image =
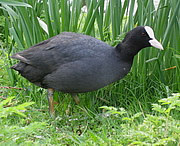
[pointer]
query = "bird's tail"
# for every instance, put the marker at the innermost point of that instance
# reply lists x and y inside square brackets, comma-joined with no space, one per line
[19,67]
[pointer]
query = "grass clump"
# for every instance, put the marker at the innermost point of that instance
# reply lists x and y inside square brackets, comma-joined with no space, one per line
[16,133]
[159,128]
[113,126]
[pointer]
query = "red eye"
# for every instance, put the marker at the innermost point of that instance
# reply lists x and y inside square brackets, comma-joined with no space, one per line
[143,34]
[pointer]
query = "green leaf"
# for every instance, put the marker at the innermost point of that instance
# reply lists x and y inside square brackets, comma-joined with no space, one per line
[4,102]
[158,108]
[14,3]
[152,59]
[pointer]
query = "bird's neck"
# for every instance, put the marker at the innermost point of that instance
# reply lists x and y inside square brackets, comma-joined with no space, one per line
[126,51]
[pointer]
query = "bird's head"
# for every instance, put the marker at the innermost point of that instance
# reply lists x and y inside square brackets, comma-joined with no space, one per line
[141,37]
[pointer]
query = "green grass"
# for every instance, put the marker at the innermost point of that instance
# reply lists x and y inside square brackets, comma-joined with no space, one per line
[86,123]
[84,126]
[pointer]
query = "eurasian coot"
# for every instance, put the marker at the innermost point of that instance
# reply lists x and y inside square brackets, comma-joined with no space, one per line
[76,63]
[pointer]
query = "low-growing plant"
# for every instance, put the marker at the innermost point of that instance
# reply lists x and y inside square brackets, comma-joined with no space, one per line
[19,109]
[15,134]
[115,126]
[155,129]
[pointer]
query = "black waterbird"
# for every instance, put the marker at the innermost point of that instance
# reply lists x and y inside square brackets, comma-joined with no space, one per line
[76,63]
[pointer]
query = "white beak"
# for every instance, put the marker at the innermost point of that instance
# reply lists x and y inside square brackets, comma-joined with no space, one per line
[156,44]
[153,40]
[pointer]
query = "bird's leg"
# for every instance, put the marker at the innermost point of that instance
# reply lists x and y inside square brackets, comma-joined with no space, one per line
[76,98]
[51,102]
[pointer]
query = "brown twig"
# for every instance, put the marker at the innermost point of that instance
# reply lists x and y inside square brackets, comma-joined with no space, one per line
[12,88]
[169,68]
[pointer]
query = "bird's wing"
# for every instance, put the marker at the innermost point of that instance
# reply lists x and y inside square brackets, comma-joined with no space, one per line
[63,48]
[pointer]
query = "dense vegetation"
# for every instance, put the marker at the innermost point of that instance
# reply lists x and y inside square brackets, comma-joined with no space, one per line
[130,113]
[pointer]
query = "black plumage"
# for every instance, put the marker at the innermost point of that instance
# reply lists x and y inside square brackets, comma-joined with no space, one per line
[77,63]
